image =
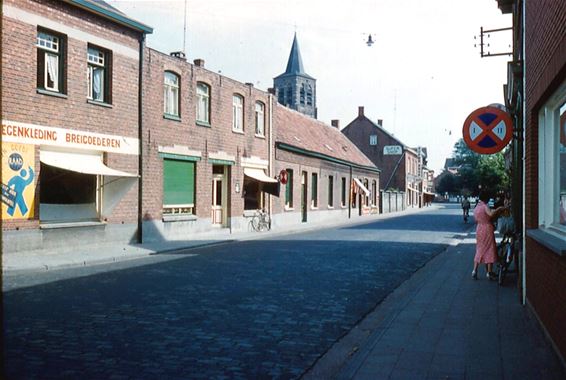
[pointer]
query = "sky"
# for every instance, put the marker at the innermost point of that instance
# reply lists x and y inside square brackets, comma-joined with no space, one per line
[422,76]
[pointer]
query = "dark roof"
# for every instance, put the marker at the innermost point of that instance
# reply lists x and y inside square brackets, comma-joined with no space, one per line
[295,62]
[103,9]
[310,135]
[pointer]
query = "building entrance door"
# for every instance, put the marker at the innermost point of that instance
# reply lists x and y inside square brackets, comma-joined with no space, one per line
[304,200]
[219,199]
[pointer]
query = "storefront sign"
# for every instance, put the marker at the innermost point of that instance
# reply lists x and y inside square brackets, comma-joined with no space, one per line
[392,150]
[18,181]
[17,132]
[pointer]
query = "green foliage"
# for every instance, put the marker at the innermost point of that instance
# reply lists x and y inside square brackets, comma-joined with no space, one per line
[476,172]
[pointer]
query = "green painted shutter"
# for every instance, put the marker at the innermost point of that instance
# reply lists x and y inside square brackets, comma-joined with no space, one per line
[178,182]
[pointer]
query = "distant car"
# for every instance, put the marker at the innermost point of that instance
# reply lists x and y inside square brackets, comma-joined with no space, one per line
[491,203]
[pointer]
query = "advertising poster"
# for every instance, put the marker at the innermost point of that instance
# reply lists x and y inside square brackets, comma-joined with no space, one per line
[18,181]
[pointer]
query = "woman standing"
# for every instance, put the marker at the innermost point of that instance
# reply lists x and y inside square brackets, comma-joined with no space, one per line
[486,251]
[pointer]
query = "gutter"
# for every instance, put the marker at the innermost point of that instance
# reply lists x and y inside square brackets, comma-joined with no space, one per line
[139,234]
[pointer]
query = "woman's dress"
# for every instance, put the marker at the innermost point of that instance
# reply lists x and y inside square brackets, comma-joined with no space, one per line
[486,251]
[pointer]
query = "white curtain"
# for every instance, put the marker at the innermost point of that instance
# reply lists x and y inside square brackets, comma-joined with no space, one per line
[53,68]
[97,84]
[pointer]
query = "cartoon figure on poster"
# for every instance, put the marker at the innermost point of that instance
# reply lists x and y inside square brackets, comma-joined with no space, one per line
[17,181]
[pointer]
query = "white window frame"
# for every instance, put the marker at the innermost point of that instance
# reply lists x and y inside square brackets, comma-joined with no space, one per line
[51,47]
[373,140]
[203,103]
[171,88]
[96,61]
[549,163]
[237,113]
[259,119]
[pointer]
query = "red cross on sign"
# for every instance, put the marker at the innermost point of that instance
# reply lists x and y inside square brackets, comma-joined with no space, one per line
[487,130]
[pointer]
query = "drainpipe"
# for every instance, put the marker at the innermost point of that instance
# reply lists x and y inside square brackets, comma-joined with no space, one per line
[270,152]
[350,195]
[524,127]
[139,234]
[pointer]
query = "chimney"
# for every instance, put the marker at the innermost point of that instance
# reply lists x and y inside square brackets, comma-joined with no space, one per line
[179,54]
[335,123]
[361,111]
[249,84]
[271,90]
[199,62]
[380,122]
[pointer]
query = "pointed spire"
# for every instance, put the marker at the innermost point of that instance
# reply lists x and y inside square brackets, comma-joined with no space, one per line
[295,63]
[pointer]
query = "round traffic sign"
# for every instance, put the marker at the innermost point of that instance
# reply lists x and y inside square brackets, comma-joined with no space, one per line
[487,130]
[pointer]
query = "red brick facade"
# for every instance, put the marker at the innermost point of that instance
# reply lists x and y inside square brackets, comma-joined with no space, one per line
[24,103]
[207,142]
[545,68]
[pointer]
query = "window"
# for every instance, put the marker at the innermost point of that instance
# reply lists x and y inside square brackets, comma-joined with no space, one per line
[552,162]
[289,189]
[178,187]
[309,95]
[314,190]
[259,119]
[302,94]
[289,99]
[98,74]
[51,73]
[171,94]
[203,103]
[281,96]
[237,113]
[330,191]
[343,193]
[374,192]
[366,197]
[373,140]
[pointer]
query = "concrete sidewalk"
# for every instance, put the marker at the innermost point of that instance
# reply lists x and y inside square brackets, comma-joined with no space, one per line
[73,257]
[441,324]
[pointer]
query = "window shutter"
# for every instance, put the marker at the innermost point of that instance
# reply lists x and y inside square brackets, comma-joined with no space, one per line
[40,68]
[108,78]
[178,182]
[63,64]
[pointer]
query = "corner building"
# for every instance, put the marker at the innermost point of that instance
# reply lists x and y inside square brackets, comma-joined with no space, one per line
[206,148]
[70,125]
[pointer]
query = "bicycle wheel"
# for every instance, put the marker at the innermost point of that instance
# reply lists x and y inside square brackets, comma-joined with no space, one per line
[256,222]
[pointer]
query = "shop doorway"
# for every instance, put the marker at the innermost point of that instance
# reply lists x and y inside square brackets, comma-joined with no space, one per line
[219,195]
[304,200]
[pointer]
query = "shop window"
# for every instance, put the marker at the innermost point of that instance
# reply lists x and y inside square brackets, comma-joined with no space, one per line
[289,189]
[552,162]
[99,74]
[51,73]
[66,195]
[203,103]
[171,94]
[343,192]
[237,113]
[252,194]
[330,191]
[314,190]
[259,119]
[178,187]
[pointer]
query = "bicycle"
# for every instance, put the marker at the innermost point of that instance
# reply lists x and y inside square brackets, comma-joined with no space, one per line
[506,254]
[261,221]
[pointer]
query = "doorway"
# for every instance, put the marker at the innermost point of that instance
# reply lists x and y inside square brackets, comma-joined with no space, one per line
[304,194]
[219,195]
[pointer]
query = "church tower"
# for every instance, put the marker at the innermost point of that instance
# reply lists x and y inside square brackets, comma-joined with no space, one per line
[295,88]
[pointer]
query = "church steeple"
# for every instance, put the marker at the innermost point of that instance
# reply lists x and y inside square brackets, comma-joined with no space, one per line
[295,88]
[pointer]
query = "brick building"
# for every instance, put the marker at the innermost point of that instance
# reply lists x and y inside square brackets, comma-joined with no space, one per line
[328,178]
[206,147]
[536,96]
[70,125]
[401,167]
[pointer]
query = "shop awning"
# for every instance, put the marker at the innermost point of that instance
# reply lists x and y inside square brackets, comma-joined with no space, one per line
[361,186]
[259,175]
[80,163]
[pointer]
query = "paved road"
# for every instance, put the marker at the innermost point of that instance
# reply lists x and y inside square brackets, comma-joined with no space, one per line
[254,309]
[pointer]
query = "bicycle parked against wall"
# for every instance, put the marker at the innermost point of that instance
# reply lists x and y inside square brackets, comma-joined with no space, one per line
[261,221]
[507,254]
